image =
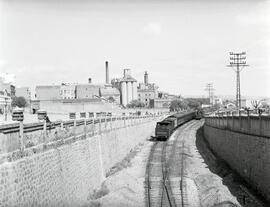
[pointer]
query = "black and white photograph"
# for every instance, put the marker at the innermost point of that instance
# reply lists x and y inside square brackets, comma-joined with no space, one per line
[134,103]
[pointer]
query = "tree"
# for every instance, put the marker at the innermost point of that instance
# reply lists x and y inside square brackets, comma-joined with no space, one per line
[135,104]
[177,105]
[255,104]
[111,99]
[19,101]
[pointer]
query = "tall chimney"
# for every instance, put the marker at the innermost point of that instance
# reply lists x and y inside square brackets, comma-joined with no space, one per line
[145,78]
[107,72]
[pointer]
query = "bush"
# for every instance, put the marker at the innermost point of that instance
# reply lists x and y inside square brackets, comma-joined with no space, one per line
[136,104]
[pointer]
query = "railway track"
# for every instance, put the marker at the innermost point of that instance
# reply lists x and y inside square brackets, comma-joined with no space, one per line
[165,181]
[167,173]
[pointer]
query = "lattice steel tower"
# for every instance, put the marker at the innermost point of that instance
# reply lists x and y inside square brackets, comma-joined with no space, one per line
[238,60]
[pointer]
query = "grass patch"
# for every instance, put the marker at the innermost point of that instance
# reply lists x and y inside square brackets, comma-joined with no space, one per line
[99,193]
[126,162]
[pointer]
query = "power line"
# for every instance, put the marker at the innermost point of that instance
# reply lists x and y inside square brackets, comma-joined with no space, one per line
[209,88]
[237,61]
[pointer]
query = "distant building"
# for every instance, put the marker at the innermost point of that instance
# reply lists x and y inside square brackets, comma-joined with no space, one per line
[87,91]
[24,92]
[51,92]
[160,103]
[110,93]
[128,88]
[217,101]
[5,103]
[147,91]
[7,86]
[68,91]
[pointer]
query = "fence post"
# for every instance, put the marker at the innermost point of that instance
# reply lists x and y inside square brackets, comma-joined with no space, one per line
[260,120]
[249,124]
[85,128]
[232,121]
[74,127]
[240,120]
[105,124]
[93,126]
[62,125]
[45,132]
[111,123]
[99,124]
[21,141]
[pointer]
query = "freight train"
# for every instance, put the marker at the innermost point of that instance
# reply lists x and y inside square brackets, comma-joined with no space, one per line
[165,128]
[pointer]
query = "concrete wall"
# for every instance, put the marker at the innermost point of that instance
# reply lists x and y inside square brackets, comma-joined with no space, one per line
[248,154]
[66,171]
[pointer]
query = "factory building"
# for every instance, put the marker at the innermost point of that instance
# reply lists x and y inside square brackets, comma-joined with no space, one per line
[147,91]
[68,91]
[47,93]
[87,91]
[128,87]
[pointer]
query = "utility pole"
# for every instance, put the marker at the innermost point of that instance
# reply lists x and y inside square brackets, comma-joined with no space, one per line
[209,88]
[237,61]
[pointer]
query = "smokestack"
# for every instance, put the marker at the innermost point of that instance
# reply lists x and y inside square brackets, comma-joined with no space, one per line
[145,78]
[107,72]
[89,80]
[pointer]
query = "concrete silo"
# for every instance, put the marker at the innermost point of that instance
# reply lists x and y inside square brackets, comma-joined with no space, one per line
[128,88]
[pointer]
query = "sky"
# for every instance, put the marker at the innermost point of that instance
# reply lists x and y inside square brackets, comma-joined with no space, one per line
[182,44]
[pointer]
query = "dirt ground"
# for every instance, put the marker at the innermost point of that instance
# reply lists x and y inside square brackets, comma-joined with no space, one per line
[125,183]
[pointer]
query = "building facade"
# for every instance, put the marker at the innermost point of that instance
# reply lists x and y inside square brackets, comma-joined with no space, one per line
[87,91]
[147,91]
[45,93]
[68,91]
[7,86]
[111,94]
[128,88]
[5,104]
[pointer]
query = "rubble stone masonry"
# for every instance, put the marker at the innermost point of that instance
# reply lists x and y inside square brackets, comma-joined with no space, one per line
[248,154]
[66,174]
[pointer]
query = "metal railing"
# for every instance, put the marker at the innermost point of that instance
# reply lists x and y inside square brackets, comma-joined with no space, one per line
[19,136]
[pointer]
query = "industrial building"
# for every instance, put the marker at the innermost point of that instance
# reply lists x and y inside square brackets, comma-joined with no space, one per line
[147,91]
[128,87]
[47,93]
[68,91]
[85,92]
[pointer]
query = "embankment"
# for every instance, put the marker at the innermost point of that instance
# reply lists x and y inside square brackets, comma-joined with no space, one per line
[65,172]
[246,150]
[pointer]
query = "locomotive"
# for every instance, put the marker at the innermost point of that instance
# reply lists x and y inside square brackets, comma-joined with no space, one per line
[165,128]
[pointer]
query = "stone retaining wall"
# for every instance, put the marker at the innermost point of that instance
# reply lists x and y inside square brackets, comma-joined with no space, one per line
[249,155]
[65,174]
